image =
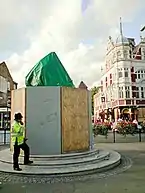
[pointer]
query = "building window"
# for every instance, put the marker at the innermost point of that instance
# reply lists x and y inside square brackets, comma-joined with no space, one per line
[125,54]
[118,55]
[8,86]
[121,95]
[126,74]
[142,92]
[127,91]
[3,84]
[138,76]
[137,92]
[120,74]
[110,79]
[15,86]
[130,54]
[143,55]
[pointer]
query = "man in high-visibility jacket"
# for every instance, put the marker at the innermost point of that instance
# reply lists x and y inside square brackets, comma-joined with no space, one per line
[19,142]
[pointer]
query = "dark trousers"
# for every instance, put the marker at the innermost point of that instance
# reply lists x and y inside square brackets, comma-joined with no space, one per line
[16,154]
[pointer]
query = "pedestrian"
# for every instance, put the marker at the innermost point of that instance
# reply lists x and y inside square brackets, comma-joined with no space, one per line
[19,141]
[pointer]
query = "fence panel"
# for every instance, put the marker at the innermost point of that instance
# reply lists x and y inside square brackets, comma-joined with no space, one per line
[114,137]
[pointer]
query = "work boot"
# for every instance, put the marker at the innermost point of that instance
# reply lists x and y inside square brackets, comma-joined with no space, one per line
[18,169]
[28,163]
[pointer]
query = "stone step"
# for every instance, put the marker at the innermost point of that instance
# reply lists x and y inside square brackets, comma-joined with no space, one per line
[113,161]
[8,155]
[60,156]
[66,156]
[59,163]
[70,162]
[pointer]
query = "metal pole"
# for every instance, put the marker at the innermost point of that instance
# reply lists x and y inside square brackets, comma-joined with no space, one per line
[139,135]
[7,112]
[114,136]
[7,117]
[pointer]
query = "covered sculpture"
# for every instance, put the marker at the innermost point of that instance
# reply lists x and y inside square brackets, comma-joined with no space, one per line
[49,71]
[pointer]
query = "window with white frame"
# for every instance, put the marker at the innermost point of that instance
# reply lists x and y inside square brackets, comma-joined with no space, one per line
[121,95]
[140,74]
[127,92]
[142,92]
[126,73]
[120,73]
[137,92]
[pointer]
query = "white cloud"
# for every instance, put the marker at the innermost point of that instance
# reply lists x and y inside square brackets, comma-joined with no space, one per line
[31,30]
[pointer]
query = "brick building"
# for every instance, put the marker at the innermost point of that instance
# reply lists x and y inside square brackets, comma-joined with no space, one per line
[6,84]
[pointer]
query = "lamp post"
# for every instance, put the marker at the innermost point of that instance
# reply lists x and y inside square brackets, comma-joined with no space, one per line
[135,115]
[7,114]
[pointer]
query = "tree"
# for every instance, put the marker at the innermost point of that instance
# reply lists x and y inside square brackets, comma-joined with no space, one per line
[94,91]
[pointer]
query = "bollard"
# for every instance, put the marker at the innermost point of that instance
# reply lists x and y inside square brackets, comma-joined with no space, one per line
[5,133]
[114,136]
[139,132]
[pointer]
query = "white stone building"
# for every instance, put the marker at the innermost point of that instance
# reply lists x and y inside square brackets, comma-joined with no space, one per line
[122,89]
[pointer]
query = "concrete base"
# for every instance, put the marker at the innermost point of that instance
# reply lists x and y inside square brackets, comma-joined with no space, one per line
[69,164]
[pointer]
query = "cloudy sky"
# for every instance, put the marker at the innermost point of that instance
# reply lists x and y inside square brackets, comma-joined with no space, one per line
[77,30]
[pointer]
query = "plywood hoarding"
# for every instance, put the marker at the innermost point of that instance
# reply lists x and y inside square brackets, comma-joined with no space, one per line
[75,119]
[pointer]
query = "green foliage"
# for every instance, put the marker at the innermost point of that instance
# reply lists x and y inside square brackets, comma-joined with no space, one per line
[101,129]
[94,91]
[126,128]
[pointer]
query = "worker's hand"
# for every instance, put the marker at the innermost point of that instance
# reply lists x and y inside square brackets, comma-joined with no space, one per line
[21,123]
[25,139]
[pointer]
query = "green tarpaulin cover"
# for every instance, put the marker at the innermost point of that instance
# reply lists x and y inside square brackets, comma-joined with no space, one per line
[49,71]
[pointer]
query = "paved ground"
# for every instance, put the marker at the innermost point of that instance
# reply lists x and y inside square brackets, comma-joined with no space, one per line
[130,181]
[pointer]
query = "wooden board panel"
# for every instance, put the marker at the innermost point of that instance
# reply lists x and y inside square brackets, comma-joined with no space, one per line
[75,120]
[18,104]
[141,114]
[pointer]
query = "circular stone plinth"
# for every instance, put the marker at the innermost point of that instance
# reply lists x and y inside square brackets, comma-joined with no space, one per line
[66,164]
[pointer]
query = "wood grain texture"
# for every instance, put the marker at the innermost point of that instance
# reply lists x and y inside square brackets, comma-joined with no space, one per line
[141,114]
[18,104]
[75,119]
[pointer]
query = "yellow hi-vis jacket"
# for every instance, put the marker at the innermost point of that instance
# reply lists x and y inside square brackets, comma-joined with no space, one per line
[17,133]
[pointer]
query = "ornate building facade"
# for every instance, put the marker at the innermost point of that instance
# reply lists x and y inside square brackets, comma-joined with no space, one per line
[122,86]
